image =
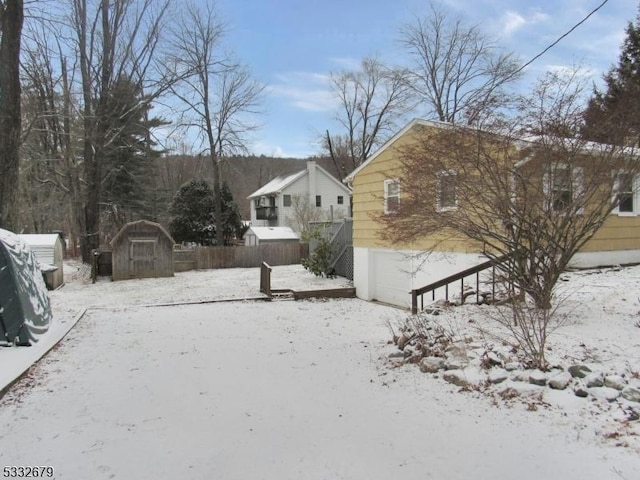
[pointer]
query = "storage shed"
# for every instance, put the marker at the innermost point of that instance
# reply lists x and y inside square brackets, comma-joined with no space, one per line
[25,312]
[262,235]
[49,251]
[142,249]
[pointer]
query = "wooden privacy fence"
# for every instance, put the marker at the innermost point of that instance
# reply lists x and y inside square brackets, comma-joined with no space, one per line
[204,258]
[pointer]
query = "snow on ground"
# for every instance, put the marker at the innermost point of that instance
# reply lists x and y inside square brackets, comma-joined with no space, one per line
[297,390]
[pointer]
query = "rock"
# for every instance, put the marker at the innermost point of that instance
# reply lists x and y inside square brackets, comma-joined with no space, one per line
[594,380]
[431,364]
[458,350]
[522,390]
[493,359]
[402,341]
[456,377]
[498,375]
[605,393]
[511,366]
[396,355]
[560,381]
[455,363]
[519,376]
[615,381]
[632,394]
[537,378]
[579,371]
[581,392]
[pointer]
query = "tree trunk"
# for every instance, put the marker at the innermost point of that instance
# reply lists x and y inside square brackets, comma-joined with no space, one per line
[11,19]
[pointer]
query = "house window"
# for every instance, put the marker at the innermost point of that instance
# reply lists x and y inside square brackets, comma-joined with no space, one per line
[561,189]
[391,195]
[340,200]
[286,200]
[446,191]
[318,200]
[563,186]
[624,189]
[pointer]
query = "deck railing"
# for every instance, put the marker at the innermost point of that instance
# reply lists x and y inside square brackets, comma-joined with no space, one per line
[445,282]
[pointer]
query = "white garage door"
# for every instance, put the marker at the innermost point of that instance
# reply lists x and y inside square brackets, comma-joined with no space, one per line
[391,278]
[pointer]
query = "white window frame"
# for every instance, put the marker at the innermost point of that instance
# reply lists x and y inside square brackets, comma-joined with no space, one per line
[387,183]
[440,176]
[577,184]
[635,184]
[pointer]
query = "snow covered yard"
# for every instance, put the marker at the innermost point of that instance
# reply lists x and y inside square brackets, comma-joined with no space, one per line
[295,390]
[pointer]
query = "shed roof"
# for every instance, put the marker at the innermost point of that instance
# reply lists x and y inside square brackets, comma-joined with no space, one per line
[43,246]
[40,239]
[140,223]
[273,233]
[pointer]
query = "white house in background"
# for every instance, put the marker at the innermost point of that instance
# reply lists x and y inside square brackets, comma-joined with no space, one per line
[262,235]
[274,204]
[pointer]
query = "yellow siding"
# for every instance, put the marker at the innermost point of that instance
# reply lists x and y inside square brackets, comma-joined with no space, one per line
[617,233]
[368,202]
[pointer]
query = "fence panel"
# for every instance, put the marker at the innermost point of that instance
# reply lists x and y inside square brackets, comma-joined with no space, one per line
[204,258]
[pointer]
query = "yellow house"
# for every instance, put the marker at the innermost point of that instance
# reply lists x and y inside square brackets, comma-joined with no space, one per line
[387,272]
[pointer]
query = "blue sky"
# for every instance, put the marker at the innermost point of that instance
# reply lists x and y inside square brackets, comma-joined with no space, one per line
[293,45]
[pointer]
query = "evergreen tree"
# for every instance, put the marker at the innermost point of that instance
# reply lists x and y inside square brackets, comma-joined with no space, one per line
[613,115]
[231,219]
[191,211]
[128,160]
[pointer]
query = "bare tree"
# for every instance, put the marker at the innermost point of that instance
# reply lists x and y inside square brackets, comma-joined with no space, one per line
[219,94]
[115,41]
[11,20]
[303,213]
[372,100]
[527,193]
[457,71]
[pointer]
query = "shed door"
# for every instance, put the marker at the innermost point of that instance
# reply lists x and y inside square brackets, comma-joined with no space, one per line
[142,259]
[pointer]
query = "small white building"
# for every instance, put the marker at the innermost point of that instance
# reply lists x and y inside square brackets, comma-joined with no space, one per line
[49,251]
[310,194]
[263,235]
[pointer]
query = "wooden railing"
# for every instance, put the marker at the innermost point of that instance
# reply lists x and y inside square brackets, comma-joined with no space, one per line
[265,279]
[445,282]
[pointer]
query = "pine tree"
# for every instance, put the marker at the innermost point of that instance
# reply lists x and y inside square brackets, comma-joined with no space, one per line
[128,160]
[231,219]
[613,115]
[191,211]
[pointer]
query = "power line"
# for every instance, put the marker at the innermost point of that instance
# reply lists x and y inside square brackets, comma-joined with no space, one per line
[560,38]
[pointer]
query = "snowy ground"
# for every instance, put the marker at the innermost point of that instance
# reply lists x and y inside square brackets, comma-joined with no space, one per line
[298,390]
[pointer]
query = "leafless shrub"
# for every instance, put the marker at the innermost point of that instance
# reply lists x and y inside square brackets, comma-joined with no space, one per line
[527,328]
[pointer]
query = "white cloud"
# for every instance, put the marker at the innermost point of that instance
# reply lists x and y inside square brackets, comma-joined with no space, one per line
[513,21]
[305,91]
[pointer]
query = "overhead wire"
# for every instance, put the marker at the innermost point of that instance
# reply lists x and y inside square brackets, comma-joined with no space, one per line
[559,39]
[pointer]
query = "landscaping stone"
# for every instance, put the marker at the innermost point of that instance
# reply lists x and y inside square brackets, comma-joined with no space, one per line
[604,393]
[511,366]
[594,380]
[455,363]
[615,381]
[560,381]
[519,376]
[536,377]
[579,371]
[581,392]
[493,359]
[632,394]
[526,389]
[402,341]
[431,364]
[456,377]
[498,375]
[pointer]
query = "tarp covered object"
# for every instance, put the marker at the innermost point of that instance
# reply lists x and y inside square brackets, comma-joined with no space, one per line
[25,313]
